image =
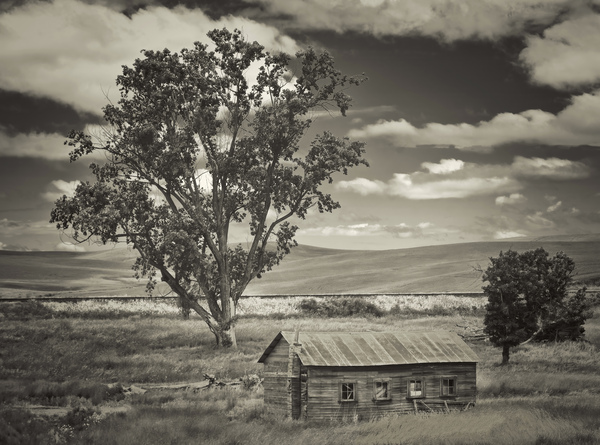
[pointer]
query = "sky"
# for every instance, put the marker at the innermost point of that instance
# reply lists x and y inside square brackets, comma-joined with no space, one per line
[481,118]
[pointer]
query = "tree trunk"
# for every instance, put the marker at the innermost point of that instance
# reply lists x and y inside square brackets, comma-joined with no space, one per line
[505,354]
[185,308]
[225,338]
[224,329]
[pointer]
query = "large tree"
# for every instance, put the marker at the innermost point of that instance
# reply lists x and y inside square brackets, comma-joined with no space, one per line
[196,145]
[528,298]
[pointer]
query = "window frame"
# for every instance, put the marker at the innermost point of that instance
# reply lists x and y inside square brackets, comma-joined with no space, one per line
[388,383]
[341,384]
[455,386]
[409,395]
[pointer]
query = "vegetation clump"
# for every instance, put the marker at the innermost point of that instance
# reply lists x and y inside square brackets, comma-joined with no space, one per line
[339,307]
[528,299]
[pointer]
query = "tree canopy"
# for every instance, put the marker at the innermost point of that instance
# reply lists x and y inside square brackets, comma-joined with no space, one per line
[528,298]
[196,144]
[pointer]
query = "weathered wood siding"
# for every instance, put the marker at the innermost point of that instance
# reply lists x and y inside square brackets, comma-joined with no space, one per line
[275,379]
[323,389]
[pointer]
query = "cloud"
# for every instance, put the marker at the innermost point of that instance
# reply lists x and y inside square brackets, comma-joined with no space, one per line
[550,168]
[445,166]
[41,145]
[512,199]
[554,207]
[554,219]
[60,188]
[14,247]
[402,230]
[450,178]
[6,223]
[69,247]
[575,125]
[448,20]
[507,234]
[72,52]
[453,178]
[45,145]
[539,220]
[406,186]
[566,55]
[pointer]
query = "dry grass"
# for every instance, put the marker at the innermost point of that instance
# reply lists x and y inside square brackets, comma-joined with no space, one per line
[549,394]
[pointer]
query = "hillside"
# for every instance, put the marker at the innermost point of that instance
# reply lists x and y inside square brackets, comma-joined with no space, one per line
[307,270]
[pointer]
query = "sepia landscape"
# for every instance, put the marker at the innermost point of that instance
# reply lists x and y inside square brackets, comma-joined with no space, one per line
[89,369]
[256,222]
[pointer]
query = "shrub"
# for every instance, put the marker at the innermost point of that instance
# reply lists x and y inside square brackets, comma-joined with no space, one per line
[58,393]
[339,307]
[80,418]
[25,310]
[21,427]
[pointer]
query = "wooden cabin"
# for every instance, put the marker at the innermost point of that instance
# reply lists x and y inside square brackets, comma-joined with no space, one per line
[361,375]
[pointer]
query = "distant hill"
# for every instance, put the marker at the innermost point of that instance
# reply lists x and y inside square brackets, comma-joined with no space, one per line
[307,270]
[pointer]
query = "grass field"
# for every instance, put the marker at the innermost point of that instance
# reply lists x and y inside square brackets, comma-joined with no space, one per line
[307,270]
[81,359]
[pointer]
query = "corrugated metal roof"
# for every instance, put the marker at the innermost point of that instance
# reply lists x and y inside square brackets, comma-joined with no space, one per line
[377,348]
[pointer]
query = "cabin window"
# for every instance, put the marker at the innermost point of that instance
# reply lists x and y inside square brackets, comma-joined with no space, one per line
[416,388]
[448,386]
[348,392]
[382,390]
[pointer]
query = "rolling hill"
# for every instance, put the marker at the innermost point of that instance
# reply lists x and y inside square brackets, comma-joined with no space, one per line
[307,270]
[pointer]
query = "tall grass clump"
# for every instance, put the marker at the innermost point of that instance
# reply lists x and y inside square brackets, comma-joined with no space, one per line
[62,393]
[114,309]
[339,307]
[25,310]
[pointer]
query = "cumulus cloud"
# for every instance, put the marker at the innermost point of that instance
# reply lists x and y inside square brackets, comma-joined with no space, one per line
[445,166]
[410,186]
[452,178]
[575,125]
[448,20]
[512,199]
[72,52]
[59,188]
[551,168]
[543,219]
[566,55]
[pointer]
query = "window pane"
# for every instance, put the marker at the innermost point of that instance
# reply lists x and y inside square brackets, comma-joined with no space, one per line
[381,390]
[416,388]
[347,391]
[448,387]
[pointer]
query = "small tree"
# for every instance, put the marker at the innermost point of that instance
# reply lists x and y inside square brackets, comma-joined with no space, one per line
[528,298]
[194,146]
